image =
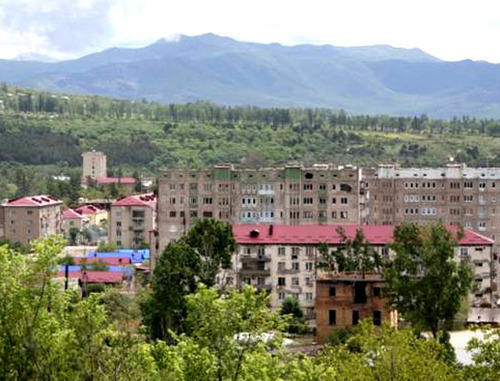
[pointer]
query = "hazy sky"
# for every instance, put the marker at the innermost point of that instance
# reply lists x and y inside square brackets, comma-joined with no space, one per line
[448,29]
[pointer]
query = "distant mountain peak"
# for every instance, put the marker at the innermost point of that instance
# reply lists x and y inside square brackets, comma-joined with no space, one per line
[175,37]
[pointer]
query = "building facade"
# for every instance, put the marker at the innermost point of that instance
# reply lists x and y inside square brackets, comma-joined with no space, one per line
[342,300]
[132,220]
[94,166]
[454,194]
[282,259]
[29,218]
[291,195]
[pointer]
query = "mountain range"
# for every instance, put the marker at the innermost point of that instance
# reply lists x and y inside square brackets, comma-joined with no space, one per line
[371,79]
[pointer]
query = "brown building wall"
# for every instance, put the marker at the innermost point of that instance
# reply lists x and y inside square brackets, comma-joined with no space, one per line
[344,305]
[130,225]
[24,224]
[288,195]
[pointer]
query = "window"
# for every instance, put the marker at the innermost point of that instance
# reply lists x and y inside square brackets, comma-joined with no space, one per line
[207,214]
[385,251]
[281,251]
[193,214]
[308,187]
[172,214]
[193,186]
[464,252]
[281,281]
[281,266]
[468,198]
[468,185]
[322,186]
[295,281]
[295,266]
[343,200]
[355,317]
[332,291]
[309,296]
[332,317]
[308,281]
[207,200]
[377,318]
[308,200]
[281,296]
[376,292]
[172,187]
[343,215]
[207,187]
[138,214]
[309,266]
[309,251]
[308,215]
[322,201]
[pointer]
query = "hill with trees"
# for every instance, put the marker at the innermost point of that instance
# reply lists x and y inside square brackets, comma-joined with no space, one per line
[370,79]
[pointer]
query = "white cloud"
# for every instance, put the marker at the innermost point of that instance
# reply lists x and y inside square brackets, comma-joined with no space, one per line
[450,30]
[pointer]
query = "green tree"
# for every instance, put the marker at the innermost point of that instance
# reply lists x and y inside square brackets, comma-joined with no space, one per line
[73,236]
[175,276]
[485,356]
[214,244]
[355,254]
[225,336]
[291,307]
[424,282]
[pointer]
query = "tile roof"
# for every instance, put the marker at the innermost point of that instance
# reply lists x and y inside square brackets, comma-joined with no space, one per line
[70,214]
[315,234]
[147,199]
[94,276]
[89,210]
[115,180]
[41,200]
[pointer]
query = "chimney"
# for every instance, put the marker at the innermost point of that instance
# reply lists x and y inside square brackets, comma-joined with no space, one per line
[271,229]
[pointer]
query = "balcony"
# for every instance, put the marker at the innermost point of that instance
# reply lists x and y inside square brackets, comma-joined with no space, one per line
[284,271]
[255,268]
[266,192]
[252,259]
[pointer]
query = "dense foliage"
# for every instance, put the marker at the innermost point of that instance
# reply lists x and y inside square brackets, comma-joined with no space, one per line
[48,333]
[424,282]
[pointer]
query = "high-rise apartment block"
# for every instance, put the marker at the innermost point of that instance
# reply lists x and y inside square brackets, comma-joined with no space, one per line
[94,166]
[454,194]
[291,195]
[29,218]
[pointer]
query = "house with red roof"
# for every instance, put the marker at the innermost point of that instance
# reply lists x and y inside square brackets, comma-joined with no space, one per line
[282,258]
[31,217]
[95,214]
[73,220]
[132,220]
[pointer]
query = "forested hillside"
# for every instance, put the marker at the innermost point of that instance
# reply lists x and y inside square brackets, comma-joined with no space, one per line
[369,79]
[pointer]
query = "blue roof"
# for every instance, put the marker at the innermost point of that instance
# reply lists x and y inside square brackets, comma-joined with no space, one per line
[137,256]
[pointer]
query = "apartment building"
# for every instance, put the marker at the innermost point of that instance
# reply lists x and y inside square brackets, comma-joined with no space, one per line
[72,220]
[342,300]
[292,195]
[453,194]
[132,220]
[282,259]
[94,165]
[29,218]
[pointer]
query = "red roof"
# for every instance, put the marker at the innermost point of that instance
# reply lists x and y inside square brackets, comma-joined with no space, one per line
[115,180]
[94,276]
[89,210]
[148,199]
[111,261]
[70,214]
[315,234]
[42,200]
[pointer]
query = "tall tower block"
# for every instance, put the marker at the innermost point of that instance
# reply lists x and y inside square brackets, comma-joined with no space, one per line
[94,165]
